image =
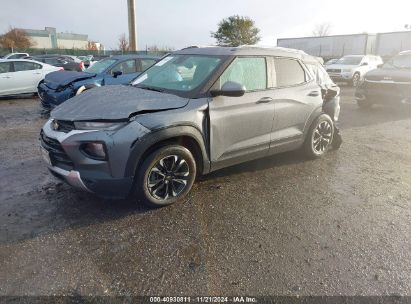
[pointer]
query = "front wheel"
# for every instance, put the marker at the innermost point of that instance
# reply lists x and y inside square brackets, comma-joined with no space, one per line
[319,137]
[166,176]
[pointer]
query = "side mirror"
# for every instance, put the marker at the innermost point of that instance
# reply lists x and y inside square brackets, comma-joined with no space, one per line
[230,89]
[364,63]
[116,73]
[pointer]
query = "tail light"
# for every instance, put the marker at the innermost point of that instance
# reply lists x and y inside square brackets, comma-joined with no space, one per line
[82,65]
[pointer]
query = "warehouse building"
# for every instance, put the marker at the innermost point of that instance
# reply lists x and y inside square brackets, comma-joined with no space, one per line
[50,39]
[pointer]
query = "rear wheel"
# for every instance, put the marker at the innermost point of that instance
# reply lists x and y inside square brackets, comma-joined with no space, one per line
[319,137]
[356,80]
[166,176]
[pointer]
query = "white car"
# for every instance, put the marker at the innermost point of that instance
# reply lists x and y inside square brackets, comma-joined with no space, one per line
[21,76]
[15,55]
[352,68]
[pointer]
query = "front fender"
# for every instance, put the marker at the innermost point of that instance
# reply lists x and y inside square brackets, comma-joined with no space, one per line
[144,143]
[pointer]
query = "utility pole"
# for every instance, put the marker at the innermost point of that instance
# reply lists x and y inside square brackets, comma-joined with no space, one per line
[132,31]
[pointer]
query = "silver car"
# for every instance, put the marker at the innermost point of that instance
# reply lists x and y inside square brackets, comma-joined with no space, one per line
[195,111]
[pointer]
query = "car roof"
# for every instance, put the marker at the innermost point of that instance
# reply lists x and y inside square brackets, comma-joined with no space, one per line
[132,56]
[25,60]
[248,50]
[405,52]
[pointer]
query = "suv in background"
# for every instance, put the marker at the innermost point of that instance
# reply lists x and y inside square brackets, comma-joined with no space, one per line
[15,56]
[391,82]
[352,68]
[154,137]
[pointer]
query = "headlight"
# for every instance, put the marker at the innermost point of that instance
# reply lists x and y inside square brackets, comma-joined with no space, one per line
[90,125]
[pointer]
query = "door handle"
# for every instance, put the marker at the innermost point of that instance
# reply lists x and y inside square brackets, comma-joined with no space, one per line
[314,94]
[265,100]
[6,77]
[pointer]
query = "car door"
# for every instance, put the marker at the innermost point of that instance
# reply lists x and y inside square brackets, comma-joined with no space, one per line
[296,98]
[127,70]
[26,76]
[240,127]
[5,78]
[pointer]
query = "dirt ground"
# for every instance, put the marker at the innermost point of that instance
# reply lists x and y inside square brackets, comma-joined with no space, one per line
[282,225]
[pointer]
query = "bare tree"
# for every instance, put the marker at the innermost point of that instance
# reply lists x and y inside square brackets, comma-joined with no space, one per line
[321,30]
[123,44]
[16,38]
[92,46]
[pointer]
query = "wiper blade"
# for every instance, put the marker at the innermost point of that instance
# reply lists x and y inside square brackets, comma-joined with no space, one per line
[150,88]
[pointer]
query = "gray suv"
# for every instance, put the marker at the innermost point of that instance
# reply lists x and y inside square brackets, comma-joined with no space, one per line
[195,111]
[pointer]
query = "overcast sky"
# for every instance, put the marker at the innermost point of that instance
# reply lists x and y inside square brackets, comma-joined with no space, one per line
[179,23]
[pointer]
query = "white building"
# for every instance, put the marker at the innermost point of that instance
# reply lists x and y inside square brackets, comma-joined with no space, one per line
[49,38]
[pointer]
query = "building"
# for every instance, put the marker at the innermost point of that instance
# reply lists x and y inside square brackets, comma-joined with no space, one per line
[50,39]
[383,44]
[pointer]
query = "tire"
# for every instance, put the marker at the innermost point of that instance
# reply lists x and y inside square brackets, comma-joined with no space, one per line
[319,137]
[160,182]
[356,80]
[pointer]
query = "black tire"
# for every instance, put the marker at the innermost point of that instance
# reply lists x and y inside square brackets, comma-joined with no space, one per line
[364,103]
[168,187]
[356,80]
[319,137]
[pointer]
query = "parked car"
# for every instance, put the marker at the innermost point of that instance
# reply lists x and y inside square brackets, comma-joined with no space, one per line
[58,87]
[330,62]
[15,56]
[391,82]
[68,63]
[352,68]
[87,60]
[153,137]
[18,76]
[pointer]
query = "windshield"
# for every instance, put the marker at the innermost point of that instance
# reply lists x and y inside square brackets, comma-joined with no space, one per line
[350,60]
[399,62]
[100,67]
[181,73]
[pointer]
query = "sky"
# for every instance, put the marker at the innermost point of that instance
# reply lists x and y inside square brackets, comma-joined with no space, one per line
[181,23]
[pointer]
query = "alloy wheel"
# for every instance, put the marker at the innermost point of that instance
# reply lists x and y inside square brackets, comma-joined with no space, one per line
[168,177]
[322,137]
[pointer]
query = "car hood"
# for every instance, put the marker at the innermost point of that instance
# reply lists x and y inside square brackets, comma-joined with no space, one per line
[341,66]
[63,78]
[115,102]
[386,74]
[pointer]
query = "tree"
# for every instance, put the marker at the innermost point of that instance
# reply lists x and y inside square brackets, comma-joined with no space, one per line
[92,46]
[123,44]
[235,31]
[321,30]
[16,38]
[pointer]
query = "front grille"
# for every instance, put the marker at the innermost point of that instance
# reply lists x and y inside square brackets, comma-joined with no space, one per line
[65,126]
[57,154]
[334,70]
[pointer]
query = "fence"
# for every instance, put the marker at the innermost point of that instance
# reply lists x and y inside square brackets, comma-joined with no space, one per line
[77,52]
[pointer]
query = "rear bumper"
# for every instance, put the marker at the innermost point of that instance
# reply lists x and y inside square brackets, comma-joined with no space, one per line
[384,93]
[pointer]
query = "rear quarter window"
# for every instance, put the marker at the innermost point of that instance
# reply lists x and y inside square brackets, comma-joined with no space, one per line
[289,72]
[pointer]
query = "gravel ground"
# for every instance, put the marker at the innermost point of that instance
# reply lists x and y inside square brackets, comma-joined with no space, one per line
[277,226]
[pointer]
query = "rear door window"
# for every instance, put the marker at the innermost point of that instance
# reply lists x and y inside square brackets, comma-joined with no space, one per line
[289,72]
[248,71]
[5,67]
[25,66]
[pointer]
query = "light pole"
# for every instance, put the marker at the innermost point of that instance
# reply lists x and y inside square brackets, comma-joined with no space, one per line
[132,30]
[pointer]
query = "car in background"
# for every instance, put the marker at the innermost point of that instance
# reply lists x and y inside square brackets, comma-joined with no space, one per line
[390,82]
[330,62]
[154,137]
[88,60]
[15,56]
[19,76]
[67,62]
[352,68]
[58,87]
